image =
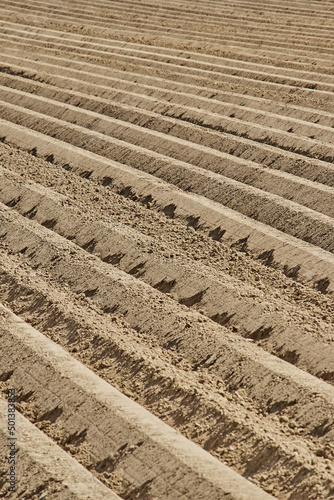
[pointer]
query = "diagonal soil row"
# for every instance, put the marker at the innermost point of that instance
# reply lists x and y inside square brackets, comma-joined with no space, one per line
[44,468]
[157,88]
[203,416]
[287,133]
[199,411]
[114,427]
[182,29]
[272,62]
[309,194]
[166,217]
[259,152]
[101,202]
[177,11]
[38,20]
[214,8]
[216,187]
[201,23]
[309,98]
[252,77]
[237,50]
[184,58]
[174,8]
[213,294]
[295,257]
[237,362]
[317,98]
[205,411]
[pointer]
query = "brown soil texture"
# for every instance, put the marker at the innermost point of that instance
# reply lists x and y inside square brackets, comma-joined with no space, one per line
[166,249]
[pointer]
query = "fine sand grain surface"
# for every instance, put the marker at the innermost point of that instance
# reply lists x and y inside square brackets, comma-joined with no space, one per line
[167,249]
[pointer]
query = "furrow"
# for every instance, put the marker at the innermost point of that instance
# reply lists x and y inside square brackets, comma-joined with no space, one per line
[187,50]
[170,465]
[153,87]
[183,57]
[43,467]
[190,8]
[312,195]
[172,12]
[159,22]
[198,409]
[293,163]
[115,244]
[182,29]
[166,248]
[160,31]
[230,74]
[175,8]
[142,35]
[309,98]
[308,263]
[229,117]
[237,362]
[188,177]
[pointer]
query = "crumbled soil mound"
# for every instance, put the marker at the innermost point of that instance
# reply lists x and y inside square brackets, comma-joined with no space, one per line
[166,249]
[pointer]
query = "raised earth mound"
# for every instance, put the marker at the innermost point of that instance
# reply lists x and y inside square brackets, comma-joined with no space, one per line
[166,249]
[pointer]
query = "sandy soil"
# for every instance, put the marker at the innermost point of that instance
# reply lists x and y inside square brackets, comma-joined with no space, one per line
[166,248]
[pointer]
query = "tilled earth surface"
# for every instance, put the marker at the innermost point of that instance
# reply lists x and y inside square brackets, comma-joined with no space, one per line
[166,248]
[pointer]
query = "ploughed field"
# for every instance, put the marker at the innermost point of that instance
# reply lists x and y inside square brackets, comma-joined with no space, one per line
[166,248]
